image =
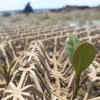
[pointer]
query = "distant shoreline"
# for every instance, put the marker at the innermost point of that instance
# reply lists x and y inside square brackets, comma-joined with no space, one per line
[67,7]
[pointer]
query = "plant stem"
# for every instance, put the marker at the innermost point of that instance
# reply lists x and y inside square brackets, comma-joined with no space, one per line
[75,87]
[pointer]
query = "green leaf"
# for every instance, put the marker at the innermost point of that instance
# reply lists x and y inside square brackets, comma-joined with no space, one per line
[71,44]
[83,57]
[2,70]
[11,66]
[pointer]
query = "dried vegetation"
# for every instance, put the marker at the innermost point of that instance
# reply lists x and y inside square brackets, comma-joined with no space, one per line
[42,70]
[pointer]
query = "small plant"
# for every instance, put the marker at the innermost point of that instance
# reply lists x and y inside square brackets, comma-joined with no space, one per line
[81,56]
[71,44]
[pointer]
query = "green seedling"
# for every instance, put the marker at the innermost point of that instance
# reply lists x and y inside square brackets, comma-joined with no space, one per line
[71,44]
[7,72]
[81,57]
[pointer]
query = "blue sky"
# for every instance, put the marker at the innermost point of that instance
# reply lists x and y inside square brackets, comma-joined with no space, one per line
[19,4]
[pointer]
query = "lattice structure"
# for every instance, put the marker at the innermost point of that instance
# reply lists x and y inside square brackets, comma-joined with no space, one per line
[21,36]
[43,71]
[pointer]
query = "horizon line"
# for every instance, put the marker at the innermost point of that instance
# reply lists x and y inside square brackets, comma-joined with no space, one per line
[53,7]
